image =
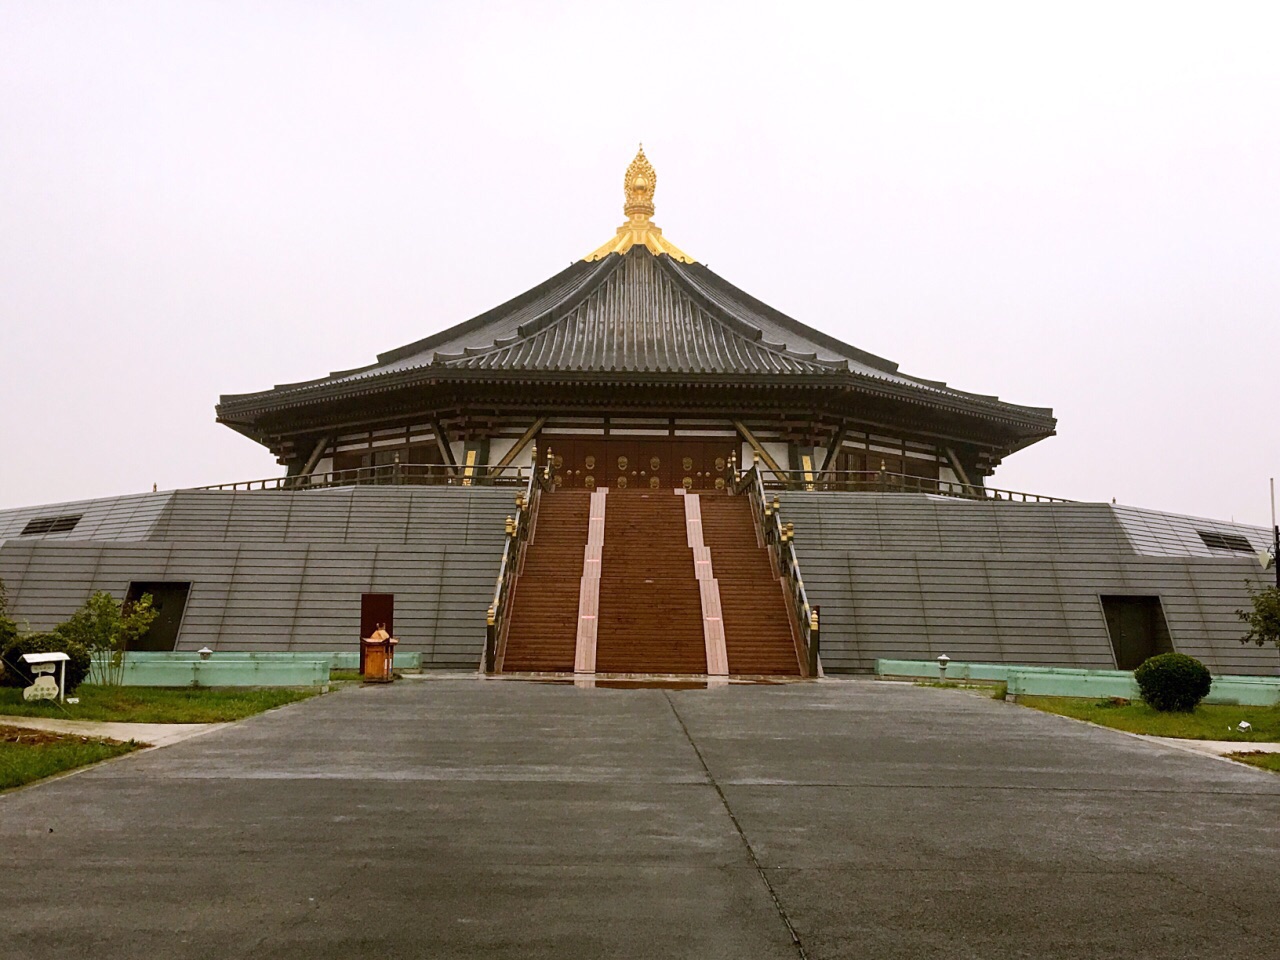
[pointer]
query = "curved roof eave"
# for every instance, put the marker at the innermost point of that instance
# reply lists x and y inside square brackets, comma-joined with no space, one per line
[1036,420]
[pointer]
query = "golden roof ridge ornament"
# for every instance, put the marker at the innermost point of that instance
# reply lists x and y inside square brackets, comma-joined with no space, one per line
[638,186]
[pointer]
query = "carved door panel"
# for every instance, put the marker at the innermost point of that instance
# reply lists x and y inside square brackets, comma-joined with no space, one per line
[624,465]
[653,468]
[700,464]
[641,463]
[569,456]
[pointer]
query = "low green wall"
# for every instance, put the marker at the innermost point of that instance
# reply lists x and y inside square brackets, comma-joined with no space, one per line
[960,670]
[194,672]
[337,659]
[1076,682]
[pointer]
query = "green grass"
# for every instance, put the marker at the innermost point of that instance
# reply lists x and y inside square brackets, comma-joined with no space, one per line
[1207,722]
[1265,761]
[27,755]
[345,676]
[154,704]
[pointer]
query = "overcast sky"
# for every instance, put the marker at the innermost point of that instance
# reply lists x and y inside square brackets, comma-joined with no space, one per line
[1069,205]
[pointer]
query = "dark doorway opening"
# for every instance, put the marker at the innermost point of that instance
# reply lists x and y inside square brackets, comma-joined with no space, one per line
[376,610]
[169,600]
[1137,628]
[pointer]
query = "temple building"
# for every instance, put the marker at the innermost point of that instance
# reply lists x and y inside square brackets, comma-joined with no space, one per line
[638,367]
[638,468]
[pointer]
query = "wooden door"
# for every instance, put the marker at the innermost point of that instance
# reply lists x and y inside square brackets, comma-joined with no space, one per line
[376,610]
[578,463]
[169,601]
[700,464]
[637,463]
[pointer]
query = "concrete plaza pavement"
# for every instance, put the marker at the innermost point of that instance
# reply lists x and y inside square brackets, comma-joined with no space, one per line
[463,818]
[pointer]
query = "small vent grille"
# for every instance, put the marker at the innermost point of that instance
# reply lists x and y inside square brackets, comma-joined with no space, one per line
[50,525]
[1225,541]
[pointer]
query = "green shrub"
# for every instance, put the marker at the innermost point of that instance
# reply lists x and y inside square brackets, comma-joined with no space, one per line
[1173,682]
[107,628]
[8,631]
[18,674]
[1264,618]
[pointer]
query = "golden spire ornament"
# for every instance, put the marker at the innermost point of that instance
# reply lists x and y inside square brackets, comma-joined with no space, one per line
[638,186]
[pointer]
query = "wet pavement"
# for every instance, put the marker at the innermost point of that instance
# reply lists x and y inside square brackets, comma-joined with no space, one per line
[463,818]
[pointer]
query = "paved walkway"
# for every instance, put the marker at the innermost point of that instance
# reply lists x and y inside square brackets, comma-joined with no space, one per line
[153,734]
[500,819]
[1219,748]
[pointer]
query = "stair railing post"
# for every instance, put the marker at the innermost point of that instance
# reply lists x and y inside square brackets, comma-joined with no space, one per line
[814,634]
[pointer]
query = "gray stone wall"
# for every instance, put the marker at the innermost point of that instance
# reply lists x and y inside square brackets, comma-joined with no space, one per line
[285,571]
[911,577]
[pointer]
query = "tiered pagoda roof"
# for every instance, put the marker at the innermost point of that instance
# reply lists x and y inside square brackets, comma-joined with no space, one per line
[638,311]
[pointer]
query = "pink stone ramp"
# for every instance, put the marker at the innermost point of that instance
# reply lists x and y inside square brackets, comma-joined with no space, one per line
[584,660]
[708,589]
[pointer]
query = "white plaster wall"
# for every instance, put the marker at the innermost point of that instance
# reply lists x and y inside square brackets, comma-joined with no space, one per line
[779,453]
[498,448]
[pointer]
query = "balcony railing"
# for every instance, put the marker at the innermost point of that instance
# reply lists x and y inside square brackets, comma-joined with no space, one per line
[880,481]
[389,474]
[434,474]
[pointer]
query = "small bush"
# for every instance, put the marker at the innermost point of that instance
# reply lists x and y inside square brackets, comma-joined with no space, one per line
[1173,682]
[106,628]
[18,674]
[8,631]
[1264,618]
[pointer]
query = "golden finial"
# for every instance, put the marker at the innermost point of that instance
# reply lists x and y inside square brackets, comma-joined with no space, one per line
[638,186]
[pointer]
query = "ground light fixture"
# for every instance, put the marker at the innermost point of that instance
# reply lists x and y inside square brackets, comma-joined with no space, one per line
[205,653]
[943,660]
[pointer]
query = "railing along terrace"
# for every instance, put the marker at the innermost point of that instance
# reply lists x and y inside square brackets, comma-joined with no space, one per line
[881,481]
[421,474]
[779,538]
[518,529]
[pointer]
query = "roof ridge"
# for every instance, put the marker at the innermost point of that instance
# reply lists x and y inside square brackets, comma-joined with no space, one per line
[741,328]
[647,352]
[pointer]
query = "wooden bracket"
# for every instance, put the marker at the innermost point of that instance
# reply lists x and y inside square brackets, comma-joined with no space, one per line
[519,446]
[442,441]
[755,445]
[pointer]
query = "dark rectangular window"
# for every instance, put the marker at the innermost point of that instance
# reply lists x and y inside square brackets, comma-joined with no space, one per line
[42,525]
[1225,541]
[1137,628]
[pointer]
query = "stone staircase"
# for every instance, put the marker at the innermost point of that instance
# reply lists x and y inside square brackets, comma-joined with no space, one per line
[652,615]
[650,607]
[757,631]
[542,635]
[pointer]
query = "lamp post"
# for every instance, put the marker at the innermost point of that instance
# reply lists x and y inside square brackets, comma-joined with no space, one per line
[1275,535]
